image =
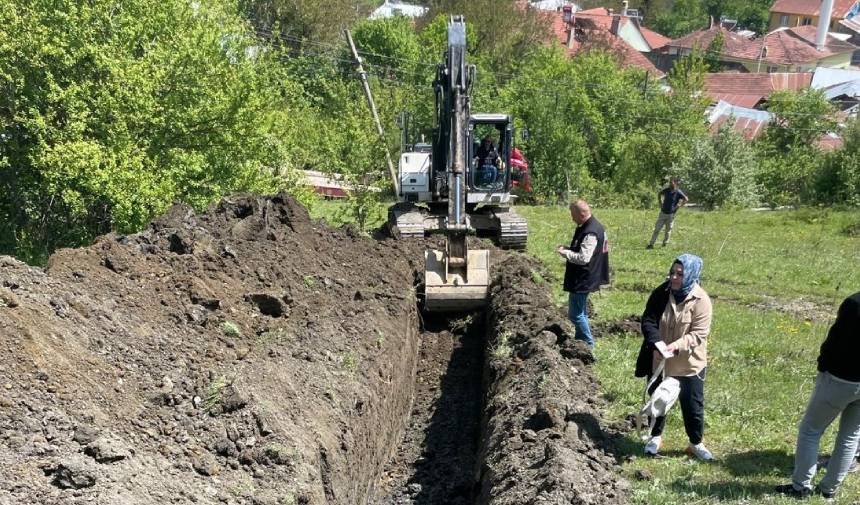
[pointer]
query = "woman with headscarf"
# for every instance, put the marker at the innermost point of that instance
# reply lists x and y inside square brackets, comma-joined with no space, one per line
[678,313]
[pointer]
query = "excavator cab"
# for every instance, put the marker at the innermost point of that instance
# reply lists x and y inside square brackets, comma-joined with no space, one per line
[488,176]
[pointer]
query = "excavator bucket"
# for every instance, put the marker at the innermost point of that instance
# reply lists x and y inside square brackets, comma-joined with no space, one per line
[452,288]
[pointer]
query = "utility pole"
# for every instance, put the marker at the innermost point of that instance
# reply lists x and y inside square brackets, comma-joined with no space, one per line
[363,76]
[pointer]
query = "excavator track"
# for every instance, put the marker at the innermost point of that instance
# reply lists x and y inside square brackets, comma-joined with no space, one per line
[406,221]
[513,230]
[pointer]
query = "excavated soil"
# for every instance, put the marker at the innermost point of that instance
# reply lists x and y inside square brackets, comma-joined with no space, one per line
[249,355]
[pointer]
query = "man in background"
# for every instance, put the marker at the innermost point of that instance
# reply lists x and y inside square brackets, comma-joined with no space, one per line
[587,266]
[671,199]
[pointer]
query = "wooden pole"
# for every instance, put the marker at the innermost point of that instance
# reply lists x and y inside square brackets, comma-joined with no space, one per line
[363,76]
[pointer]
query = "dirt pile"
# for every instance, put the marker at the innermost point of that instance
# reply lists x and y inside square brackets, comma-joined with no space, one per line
[244,355]
[248,355]
[542,439]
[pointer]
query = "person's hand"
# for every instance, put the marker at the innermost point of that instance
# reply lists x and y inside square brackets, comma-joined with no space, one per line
[672,348]
[561,250]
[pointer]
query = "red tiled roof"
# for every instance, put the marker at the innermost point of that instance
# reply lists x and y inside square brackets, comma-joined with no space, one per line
[830,143]
[749,128]
[593,31]
[732,41]
[788,46]
[654,39]
[747,90]
[811,7]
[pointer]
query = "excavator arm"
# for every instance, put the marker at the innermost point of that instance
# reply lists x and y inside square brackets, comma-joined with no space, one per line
[455,279]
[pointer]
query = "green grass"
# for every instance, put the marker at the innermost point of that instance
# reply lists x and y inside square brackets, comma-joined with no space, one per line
[758,266]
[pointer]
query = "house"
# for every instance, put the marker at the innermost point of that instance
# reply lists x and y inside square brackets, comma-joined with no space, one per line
[751,90]
[842,87]
[620,33]
[783,50]
[793,13]
[750,123]
[391,8]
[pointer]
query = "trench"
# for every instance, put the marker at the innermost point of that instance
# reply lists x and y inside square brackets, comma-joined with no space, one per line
[436,460]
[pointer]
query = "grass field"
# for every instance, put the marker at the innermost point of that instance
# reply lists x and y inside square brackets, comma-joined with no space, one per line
[776,279]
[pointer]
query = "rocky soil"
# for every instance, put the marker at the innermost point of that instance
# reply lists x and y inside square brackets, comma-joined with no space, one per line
[249,355]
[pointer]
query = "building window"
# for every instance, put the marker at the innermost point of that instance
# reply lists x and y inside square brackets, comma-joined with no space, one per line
[783,20]
[772,70]
[806,21]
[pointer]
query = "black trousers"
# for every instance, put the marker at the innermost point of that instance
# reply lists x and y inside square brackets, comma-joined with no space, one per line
[692,400]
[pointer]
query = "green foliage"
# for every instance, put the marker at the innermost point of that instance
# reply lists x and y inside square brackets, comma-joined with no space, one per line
[712,53]
[839,179]
[230,329]
[112,113]
[504,32]
[598,131]
[299,23]
[213,393]
[683,17]
[720,171]
[789,156]
[800,118]
[676,18]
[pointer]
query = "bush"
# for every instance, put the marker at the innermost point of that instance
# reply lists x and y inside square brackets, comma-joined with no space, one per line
[720,171]
[839,179]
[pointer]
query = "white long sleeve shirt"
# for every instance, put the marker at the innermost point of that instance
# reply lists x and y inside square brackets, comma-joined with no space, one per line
[586,250]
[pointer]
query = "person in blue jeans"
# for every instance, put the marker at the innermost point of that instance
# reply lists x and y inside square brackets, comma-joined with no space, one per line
[586,266]
[488,161]
[836,394]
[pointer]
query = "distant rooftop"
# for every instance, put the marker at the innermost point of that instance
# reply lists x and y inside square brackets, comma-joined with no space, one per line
[394,8]
[786,46]
[748,90]
[811,7]
[553,5]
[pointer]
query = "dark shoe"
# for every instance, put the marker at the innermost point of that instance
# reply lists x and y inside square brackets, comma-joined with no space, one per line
[790,490]
[649,246]
[827,496]
[664,244]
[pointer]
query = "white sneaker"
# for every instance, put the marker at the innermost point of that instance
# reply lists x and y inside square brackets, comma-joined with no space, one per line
[699,451]
[653,445]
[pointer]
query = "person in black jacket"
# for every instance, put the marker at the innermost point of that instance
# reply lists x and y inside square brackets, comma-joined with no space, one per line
[586,266]
[837,392]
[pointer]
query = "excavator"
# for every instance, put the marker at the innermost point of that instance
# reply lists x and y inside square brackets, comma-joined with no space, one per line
[443,188]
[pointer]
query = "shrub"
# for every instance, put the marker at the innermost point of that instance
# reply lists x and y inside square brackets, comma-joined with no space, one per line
[720,171]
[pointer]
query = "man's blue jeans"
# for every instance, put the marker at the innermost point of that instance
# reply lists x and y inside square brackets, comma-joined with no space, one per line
[577,315]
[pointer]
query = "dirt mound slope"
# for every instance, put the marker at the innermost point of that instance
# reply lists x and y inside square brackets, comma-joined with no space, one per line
[243,355]
[543,440]
[249,355]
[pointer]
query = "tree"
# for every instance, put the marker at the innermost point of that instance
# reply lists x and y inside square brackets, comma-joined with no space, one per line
[304,24]
[504,30]
[113,112]
[839,179]
[788,151]
[683,17]
[720,170]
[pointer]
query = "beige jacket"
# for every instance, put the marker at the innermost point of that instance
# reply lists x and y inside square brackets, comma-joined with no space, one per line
[688,324]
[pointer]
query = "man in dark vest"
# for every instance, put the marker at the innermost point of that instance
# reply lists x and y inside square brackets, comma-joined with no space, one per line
[587,266]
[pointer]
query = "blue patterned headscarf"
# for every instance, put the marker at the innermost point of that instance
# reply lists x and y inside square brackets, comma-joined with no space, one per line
[692,271]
